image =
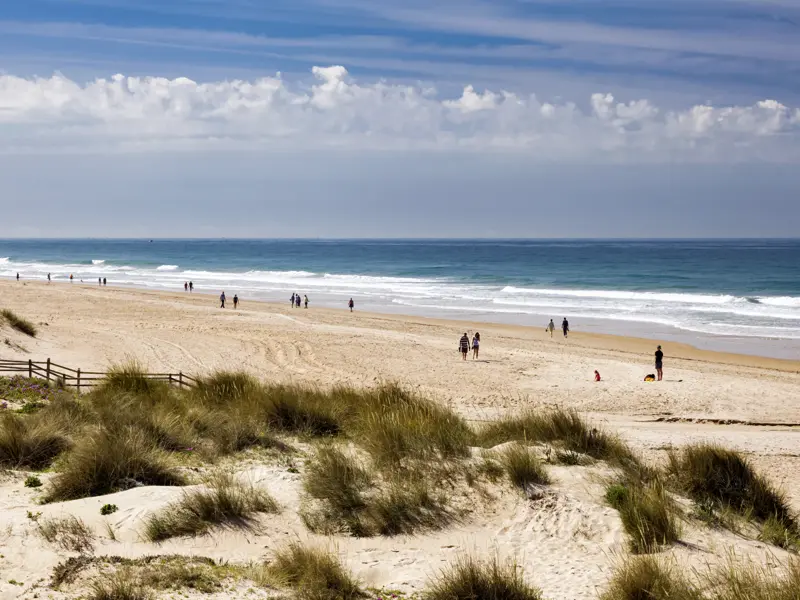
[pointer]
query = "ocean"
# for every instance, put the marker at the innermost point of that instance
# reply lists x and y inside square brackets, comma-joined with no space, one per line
[736,295]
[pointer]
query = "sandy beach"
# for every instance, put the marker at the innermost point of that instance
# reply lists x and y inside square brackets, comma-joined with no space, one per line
[744,402]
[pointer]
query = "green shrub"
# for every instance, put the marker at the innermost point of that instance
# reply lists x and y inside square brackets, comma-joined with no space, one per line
[30,442]
[522,467]
[32,481]
[108,509]
[647,578]
[647,513]
[313,574]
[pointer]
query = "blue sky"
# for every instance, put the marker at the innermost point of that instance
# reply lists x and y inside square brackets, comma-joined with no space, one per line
[400,117]
[699,51]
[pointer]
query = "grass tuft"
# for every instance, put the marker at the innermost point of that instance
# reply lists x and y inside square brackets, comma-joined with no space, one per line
[107,460]
[225,502]
[123,585]
[18,323]
[647,513]
[313,573]
[30,442]
[717,478]
[523,467]
[469,579]
[69,533]
[130,377]
[647,578]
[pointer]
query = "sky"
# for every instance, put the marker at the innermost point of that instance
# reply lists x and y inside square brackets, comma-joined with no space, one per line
[400,118]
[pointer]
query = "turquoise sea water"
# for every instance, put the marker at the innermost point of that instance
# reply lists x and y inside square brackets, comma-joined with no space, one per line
[720,293]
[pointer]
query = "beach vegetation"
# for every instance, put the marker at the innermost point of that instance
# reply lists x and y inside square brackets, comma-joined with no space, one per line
[69,533]
[720,479]
[108,509]
[649,578]
[16,322]
[107,459]
[522,466]
[223,502]
[313,573]
[469,579]
[648,515]
[122,585]
[129,376]
[33,481]
[31,442]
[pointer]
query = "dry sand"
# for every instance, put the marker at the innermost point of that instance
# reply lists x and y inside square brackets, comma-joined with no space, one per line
[567,542]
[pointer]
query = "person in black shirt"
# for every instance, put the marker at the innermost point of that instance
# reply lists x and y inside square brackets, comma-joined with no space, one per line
[659,363]
[565,326]
[463,346]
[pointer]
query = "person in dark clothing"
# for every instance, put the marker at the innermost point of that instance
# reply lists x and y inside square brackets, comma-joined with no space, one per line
[463,346]
[222,300]
[104,281]
[305,301]
[99,281]
[191,287]
[351,304]
[660,363]
[17,276]
[291,301]
[297,300]
[565,326]
[235,301]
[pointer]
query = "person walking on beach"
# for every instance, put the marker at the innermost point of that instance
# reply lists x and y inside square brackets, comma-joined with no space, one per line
[476,345]
[17,276]
[222,300]
[305,301]
[99,281]
[104,280]
[659,363]
[235,301]
[565,326]
[351,304]
[463,346]
[185,286]
[48,278]
[70,277]
[297,300]
[191,287]
[291,301]
[551,327]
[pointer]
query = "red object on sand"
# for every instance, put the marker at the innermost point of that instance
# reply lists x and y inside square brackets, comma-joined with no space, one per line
[596,376]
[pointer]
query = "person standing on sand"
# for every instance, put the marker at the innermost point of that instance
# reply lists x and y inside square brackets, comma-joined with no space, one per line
[351,304]
[551,327]
[70,277]
[291,301]
[185,286]
[297,300]
[659,363]
[104,281]
[17,276]
[305,301]
[235,301]
[222,300]
[99,281]
[48,278]
[191,287]
[565,326]
[476,345]
[463,346]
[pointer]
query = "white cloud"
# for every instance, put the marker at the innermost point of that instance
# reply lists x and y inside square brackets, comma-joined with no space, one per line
[130,113]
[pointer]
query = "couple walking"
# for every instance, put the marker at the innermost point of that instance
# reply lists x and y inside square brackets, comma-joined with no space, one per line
[222,299]
[464,345]
[551,327]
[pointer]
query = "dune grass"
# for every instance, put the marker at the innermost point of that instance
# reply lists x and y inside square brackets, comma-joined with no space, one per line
[522,466]
[314,574]
[648,578]
[130,376]
[564,427]
[31,442]
[718,478]
[18,323]
[225,502]
[69,533]
[756,582]
[122,585]
[470,579]
[648,514]
[107,460]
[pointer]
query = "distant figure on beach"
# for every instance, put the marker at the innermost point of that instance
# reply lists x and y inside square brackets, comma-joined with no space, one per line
[185,286]
[476,345]
[191,287]
[104,280]
[463,346]
[297,300]
[48,278]
[99,281]
[17,276]
[222,300]
[596,375]
[291,301]
[235,301]
[351,304]
[659,363]
[70,277]
[305,301]
[565,326]
[551,327]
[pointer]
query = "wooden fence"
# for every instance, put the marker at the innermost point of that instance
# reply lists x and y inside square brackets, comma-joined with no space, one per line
[76,378]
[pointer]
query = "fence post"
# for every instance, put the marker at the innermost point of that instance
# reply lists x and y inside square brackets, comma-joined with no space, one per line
[30,368]
[180,380]
[79,380]
[170,378]
[48,369]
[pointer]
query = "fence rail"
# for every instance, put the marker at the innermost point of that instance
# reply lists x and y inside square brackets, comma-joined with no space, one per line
[76,378]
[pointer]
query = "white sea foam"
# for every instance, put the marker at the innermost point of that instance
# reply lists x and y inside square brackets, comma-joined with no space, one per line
[98,262]
[166,268]
[3,260]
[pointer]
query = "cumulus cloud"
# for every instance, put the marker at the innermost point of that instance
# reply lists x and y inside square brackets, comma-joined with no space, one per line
[122,113]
